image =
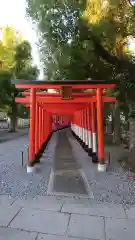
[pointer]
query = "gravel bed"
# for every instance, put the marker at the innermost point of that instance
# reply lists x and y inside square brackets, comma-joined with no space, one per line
[14,180]
[113,186]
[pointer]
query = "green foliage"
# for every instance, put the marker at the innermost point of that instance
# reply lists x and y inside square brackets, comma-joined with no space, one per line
[5,86]
[87,39]
[23,62]
[22,56]
[57,23]
[67,34]
[9,40]
[15,62]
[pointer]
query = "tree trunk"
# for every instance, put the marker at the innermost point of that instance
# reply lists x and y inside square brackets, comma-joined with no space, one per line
[131,156]
[116,124]
[13,116]
[131,153]
[131,126]
[131,133]
[13,124]
[112,122]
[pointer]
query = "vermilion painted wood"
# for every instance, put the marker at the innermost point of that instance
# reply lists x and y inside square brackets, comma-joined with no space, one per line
[40,113]
[37,129]
[93,117]
[89,118]
[46,94]
[42,127]
[62,111]
[50,106]
[100,126]
[58,100]
[80,118]
[77,108]
[32,124]
[84,117]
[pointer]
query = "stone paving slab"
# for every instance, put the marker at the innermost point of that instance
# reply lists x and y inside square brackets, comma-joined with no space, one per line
[69,182]
[82,200]
[13,234]
[41,221]
[65,199]
[130,212]
[7,213]
[84,226]
[49,225]
[54,237]
[119,229]
[41,203]
[105,210]
[66,178]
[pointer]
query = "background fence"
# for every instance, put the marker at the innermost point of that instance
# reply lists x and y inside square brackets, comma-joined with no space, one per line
[21,123]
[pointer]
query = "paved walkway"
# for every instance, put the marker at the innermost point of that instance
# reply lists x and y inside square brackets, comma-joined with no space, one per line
[52,218]
[67,177]
[106,213]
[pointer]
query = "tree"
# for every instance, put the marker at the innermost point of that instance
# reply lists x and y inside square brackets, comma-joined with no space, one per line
[15,63]
[10,38]
[56,21]
[82,39]
[113,21]
[67,31]
[23,62]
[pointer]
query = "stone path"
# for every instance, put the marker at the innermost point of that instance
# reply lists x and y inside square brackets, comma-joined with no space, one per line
[53,218]
[67,177]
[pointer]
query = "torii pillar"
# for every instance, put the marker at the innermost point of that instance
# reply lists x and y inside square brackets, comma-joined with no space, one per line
[30,166]
[101,160]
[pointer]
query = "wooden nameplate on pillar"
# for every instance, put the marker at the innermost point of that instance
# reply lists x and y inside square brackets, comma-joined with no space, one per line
[66,92]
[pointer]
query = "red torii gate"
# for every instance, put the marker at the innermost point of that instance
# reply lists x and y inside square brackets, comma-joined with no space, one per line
[79,107]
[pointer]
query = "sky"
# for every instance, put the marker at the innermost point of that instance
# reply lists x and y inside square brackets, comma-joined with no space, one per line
[13,13]
[132,45]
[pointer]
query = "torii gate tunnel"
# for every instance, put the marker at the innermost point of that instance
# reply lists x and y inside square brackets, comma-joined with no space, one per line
[83,111]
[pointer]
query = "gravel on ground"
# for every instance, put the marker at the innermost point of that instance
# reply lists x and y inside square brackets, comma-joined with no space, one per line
[5,135]
[14,180]
[113,186]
